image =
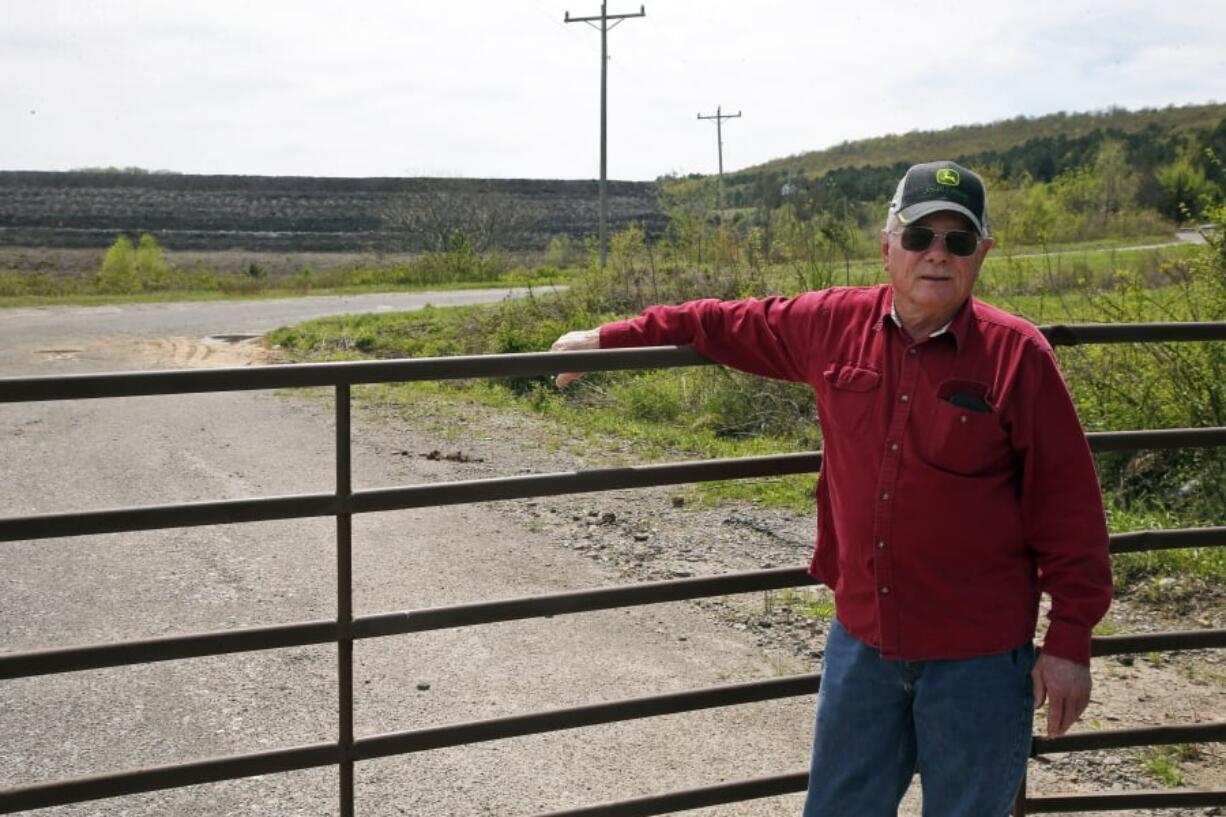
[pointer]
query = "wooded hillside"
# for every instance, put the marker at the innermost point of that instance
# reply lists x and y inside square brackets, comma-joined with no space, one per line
[1183,142]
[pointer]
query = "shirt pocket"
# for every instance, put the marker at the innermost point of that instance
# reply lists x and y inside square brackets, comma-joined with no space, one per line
[851,397]
[965,435]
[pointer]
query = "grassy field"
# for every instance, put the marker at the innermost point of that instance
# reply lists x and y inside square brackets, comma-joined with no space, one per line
[714,412]
[147,273]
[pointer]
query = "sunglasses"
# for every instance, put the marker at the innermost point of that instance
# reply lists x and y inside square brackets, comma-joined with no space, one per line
[917,238]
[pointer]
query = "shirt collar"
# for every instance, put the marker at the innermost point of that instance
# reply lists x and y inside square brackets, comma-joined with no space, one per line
[956,327]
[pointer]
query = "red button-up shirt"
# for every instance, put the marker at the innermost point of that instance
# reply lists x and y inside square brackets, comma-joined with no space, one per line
[956,482]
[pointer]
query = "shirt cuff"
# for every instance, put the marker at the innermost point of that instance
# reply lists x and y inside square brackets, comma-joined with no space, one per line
[1069,641]
[616,335]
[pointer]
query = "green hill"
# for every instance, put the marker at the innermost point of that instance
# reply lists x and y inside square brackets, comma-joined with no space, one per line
[997,138]
[1014,152]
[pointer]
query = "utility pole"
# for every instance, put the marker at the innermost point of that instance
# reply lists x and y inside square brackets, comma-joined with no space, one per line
[719,138]
[604,28]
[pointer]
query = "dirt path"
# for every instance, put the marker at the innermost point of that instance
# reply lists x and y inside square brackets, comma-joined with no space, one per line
[73,591]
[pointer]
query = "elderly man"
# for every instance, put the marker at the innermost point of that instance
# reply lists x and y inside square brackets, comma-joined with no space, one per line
[956,487]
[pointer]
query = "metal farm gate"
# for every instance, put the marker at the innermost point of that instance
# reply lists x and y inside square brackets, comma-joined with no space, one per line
[342,504]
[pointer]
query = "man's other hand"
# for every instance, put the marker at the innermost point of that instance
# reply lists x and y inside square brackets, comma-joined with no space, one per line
[580,341]
[1065,686]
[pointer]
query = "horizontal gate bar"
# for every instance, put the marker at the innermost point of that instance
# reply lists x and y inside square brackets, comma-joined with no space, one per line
[222,642]
[188,381]
[173,776]
[687,799]
[1119,801]
[1144,540]
[1074,334]
[300,375]
[1157,438]
[672,703]
[1125,738]
[45,526]
[577,482]
[134,781]
[185,774]
[158,517]
[377,625]
[578,601]
[166,648]
[1157,642]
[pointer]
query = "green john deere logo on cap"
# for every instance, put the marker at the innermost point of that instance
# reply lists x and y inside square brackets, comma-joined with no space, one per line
[948,176]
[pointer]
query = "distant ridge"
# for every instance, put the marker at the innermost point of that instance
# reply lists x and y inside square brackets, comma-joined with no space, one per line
[993,137]
[863,173]
[90,208]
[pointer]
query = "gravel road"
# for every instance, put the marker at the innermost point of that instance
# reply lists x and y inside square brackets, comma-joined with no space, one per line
[107,453]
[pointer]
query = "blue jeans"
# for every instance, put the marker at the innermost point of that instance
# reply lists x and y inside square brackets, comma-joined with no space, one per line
[964,724]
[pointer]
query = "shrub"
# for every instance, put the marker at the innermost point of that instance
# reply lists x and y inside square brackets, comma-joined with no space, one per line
[118,271]
[150,266]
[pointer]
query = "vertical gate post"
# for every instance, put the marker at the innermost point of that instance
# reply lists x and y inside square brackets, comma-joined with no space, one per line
[344,600]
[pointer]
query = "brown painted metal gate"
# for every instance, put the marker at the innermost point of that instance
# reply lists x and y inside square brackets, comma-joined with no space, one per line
[344,502]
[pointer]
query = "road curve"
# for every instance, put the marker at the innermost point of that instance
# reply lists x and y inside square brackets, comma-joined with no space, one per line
[30,337]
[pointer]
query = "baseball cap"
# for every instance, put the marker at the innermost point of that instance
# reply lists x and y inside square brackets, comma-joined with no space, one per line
[934,187]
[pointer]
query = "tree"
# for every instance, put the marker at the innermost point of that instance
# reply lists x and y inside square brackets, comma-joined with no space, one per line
[150,265]
[1186,191]
[118,271]
[1117,181]
[428,219]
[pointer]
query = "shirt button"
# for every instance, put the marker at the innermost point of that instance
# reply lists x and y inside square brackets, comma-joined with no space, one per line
[881,546]
[885,591]
[885,494]
[962,418]
[913,351]
[905,398]
[893,446]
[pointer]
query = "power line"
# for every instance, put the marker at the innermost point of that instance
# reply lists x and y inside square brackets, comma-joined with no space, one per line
[719,118]
[604,28]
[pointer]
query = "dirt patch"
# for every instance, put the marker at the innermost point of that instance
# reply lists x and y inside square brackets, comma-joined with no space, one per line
[192,353]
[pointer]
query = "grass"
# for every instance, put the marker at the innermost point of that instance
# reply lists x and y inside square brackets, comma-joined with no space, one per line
[1163,762]
[266,293]
[709,412]
[804,601]
[220,276]
[144,272]
[626,441]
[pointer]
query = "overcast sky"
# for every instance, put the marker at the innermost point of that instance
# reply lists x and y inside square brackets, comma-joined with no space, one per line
[503,88]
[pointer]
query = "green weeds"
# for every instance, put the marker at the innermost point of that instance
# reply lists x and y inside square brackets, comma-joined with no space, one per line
[707,412]
[1163,762]
[142,273]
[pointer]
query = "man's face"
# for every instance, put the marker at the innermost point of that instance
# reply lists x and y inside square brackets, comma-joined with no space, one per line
[933,282]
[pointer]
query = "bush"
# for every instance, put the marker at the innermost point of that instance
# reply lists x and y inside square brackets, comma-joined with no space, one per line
[1160,385]
[152,272]
[118,271]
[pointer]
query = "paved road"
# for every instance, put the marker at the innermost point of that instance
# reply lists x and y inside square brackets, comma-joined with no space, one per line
[139,451]
[63,332]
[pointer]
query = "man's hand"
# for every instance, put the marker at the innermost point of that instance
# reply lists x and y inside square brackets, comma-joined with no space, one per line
[580,341]
[1065,685]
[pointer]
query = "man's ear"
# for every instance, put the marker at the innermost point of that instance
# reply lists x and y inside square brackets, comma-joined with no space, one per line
[985,247]
[885,247]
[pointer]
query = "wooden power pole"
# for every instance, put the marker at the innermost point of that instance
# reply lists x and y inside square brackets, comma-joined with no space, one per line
[604,28]
[719,118]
